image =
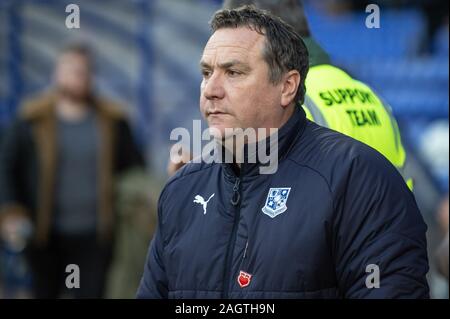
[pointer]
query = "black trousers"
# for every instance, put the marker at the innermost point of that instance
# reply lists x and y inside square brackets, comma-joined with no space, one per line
[48,266]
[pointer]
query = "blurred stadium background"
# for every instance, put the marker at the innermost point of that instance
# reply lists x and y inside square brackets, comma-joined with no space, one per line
[147,55]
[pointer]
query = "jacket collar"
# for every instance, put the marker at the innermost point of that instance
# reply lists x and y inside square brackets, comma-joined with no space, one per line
[44,106]
[287,135]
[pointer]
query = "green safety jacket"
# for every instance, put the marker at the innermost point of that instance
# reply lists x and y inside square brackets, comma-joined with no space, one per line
[337,101]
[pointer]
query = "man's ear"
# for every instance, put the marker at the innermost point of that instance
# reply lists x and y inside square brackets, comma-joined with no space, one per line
[290,86]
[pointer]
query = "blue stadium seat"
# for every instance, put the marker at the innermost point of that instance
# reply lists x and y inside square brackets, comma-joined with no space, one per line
[346,36]
[412,87]
[440,43]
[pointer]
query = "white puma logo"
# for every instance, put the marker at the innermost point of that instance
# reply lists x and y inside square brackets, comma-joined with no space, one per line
[200,200]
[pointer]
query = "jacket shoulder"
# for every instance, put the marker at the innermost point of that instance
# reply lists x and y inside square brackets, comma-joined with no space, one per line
[335,156]
[36,106]
[186,175]
[191,169]
[42,104]
[111,108]
[320,144]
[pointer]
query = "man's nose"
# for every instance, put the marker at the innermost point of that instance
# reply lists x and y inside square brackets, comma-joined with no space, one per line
[213,87]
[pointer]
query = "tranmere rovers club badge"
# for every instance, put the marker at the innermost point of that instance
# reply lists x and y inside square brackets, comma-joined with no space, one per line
[276,201]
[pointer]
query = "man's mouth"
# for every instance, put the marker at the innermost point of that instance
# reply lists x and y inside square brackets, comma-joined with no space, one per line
[216,113]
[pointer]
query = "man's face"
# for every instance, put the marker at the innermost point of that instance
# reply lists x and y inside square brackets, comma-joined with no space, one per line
[73,75]
[236,91]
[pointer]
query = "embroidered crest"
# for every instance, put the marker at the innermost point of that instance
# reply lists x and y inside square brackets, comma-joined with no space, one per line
[276,201]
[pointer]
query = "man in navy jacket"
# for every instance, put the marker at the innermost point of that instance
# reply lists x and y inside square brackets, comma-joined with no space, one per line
[334,219]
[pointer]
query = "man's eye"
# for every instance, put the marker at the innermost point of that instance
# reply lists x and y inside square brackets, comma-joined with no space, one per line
[233,73]
[206,73]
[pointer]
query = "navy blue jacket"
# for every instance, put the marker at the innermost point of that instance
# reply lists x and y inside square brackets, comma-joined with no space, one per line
[336,207]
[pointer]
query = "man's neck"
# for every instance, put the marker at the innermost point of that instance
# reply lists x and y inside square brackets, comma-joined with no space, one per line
[71,110]
[236,145]
[287,115]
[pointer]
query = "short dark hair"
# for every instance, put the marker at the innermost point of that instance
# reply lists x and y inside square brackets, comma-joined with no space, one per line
[79,48]
[284,48]
[290,11]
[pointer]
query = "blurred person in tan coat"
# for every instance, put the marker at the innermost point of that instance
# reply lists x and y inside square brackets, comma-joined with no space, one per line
[443,249]
[58,163]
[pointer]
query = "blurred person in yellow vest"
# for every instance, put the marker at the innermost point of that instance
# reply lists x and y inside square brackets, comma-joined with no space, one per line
[333,98]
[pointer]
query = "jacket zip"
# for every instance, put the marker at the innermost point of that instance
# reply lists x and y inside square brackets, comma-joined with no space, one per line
[236,202]
[245,251]
[241,265]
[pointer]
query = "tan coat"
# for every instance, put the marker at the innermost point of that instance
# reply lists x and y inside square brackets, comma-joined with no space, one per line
[40,113]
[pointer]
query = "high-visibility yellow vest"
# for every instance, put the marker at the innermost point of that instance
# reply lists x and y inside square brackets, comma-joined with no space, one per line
[337,101]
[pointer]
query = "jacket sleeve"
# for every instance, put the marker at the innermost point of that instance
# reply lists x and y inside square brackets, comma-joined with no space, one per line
[154,283]
[127,153]
[10,157]
[379,234]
